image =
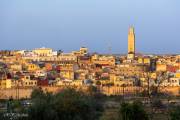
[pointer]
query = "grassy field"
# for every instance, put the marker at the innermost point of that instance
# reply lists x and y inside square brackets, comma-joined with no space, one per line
[112,106]
[112,114]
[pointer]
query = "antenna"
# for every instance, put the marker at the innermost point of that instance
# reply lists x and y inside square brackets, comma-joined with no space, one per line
[109,48]
[83,43]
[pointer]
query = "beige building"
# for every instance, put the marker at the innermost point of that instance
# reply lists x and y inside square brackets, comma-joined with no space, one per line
[103,60]
[161,67]
[67,57]
[29,83]
[144,60]
[61,57]
[25,81]
[123,83]
[67,69]
[140,60]
[6,84]
[174,82]
[69,83]
[43,52]
[119,80]
[83,51]
[32,67]
[16,67]
[131,69]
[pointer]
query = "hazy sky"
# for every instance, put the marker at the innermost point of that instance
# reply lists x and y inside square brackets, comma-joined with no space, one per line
[96,24]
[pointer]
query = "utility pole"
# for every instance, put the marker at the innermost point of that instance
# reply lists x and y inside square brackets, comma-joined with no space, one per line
[123,90]
[109,48]
[148,78]
[17,87]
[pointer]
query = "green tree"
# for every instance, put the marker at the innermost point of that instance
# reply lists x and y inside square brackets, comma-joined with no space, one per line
[175,113]
[68,104]
[134,111]
[92,90]
[41,108]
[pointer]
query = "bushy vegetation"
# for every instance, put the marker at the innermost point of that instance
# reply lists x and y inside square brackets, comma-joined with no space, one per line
[68,104]
[134,111]
[175,113]
[71,104]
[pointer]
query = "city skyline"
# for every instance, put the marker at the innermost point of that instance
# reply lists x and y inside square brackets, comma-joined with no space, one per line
[131,46]
[89,60]
[98,25]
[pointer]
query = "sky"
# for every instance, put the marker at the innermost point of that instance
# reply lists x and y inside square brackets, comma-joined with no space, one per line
[96,24]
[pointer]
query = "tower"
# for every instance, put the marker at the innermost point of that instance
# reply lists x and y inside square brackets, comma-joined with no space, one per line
[131,44]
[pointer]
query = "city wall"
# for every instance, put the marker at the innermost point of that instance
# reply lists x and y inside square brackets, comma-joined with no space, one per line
[26,92]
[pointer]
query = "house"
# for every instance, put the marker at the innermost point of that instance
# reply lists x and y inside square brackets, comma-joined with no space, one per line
[123,83]
[43,52]
[161,67]
[32,67]
[174,82]
[7,83]
[103,60]
[82,52]
[40,73]
[16,67]
[27,82]
[67,69]
[42,82]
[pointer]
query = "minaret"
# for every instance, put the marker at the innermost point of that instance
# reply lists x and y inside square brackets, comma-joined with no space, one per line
[131,44]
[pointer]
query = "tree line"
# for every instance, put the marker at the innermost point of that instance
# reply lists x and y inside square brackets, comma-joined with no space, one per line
[71,104]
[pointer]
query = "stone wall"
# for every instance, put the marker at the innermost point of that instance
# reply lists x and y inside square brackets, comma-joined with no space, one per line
[26,92]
